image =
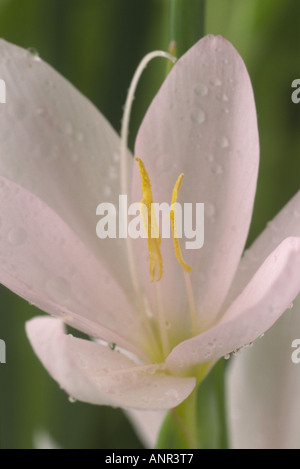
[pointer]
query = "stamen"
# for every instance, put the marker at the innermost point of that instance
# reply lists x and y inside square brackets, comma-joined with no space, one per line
[124,157]
[177,248]
[150,223]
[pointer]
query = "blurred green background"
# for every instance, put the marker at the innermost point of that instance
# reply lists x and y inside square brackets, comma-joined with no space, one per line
[97,44]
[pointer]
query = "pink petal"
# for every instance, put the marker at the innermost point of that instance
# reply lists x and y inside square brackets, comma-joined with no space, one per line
[94,373]
[267,295]
[286,223]
[43,261]
[263,389]
[203,123]
[264,384]
[147,424]
[57,145]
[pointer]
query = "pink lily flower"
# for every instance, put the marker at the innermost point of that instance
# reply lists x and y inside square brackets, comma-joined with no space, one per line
[263,384]
[59,161]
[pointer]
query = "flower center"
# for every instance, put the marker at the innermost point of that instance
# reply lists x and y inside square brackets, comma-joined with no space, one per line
[151,226]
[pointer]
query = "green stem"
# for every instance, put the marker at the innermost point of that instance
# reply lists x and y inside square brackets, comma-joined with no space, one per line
[183,422]
[186,23]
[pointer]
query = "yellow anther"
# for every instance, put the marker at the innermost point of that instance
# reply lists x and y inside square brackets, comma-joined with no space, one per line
[150,223]
[177,248]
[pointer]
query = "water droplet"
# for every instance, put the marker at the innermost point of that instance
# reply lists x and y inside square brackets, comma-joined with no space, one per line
[71,399]
[112,172]
[250,345]
[197,116]
[201,90]
[291,306]
[116,156]
[261,336]
[67,128]
[106,191]
[34,53]
[209,158]
[40,111]
[216,82]
[209,209]
[223,142]
[172,394]
[237,352]
[227,356]
[79,137]
[112,345]
[59,289]
[217,169]
[17,236]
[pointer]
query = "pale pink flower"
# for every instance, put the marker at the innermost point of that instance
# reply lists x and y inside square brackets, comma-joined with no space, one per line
[263,384]
[58,162]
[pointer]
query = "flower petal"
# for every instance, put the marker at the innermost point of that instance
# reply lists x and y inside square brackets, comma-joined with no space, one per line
[43,261]
[263,389]
[268,294]
[286,223]
[57,145]
[147,424]
[202,123]
[93,373]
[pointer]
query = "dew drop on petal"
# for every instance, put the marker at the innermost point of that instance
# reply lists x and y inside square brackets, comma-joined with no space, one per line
[216,82]
[291,306]
[17,236]
[71,399]
[79,137]
[112,172]
[223,142]
[217,169]
[172,394]
[201,90]
[67,128]
[227,356]
[59,289]
[34,53]
[209,158]
[106,191]
[116,156]
[209,209]
[197,116]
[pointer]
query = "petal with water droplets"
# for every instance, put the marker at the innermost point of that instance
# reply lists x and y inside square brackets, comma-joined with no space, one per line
[93,373]
[263,389]
[43,261]
[202,123]
[264,299]
[57,145]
